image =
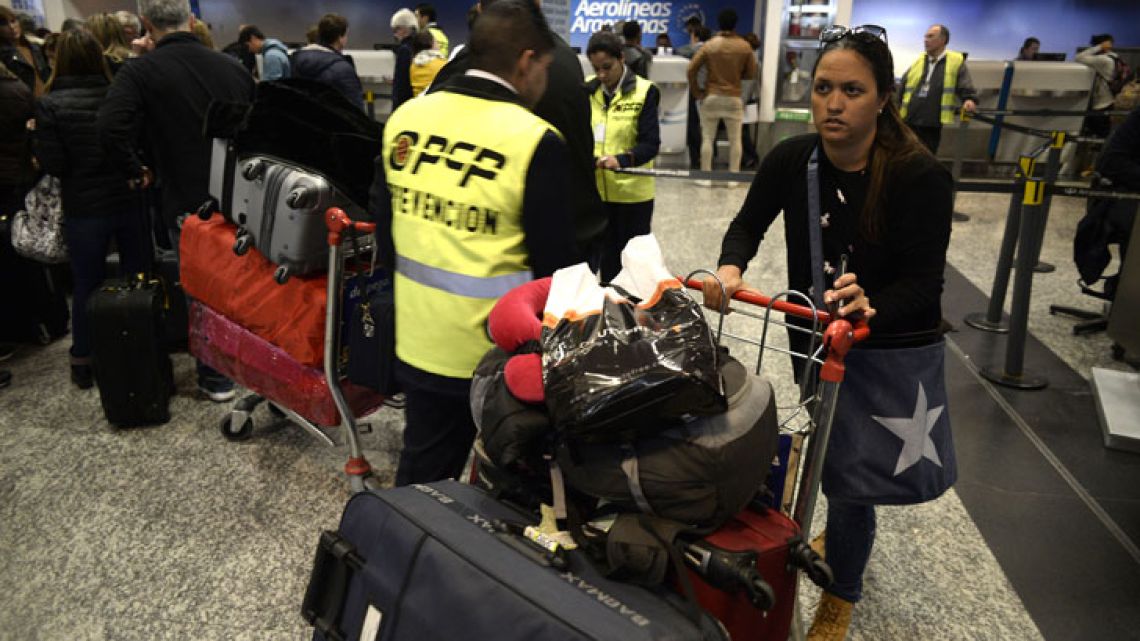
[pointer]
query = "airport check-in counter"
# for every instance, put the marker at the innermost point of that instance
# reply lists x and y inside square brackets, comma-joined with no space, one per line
[1062,86]
[376,69]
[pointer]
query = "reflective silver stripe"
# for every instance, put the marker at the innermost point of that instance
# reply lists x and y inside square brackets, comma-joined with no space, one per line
[460,284]
[632,471]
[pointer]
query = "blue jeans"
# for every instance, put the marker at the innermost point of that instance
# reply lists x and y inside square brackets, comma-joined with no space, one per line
[850,537]
[207,376]
[88,240]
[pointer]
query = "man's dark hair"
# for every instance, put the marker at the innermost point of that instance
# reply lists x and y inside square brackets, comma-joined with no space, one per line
[945,32]
[726,19]
[631,30]
[422,41]
[331,28]
[693,22]
[607,42]
[425,9]
[1099,38]
[504,31]
[704,34]
[27,22]
[250,31]
[71,24]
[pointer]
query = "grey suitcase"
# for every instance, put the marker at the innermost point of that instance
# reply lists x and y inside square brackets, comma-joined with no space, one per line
[279,208]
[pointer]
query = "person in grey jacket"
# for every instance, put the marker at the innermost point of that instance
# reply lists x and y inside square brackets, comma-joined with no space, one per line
[274,55]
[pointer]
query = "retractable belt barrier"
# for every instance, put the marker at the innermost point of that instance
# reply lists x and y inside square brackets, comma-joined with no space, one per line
[692,174]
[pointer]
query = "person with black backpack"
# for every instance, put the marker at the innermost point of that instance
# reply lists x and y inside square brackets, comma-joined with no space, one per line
[1111,75]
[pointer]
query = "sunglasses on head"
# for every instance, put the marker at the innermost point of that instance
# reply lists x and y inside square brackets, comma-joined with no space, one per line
[864,33]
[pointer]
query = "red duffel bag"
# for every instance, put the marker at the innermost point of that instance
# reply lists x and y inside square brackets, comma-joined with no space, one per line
[241,288]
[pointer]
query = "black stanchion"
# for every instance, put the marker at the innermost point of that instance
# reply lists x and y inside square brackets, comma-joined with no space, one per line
[1034,216]
[956,168]
[370,104]
[991,320]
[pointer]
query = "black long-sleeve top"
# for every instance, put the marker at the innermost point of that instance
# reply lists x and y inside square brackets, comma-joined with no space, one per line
[901,272]
[401,74]
[547,219]
[1120,160]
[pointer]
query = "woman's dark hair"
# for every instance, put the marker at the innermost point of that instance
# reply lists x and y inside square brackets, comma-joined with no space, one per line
[606,42]
[109,32]
[1029,41]
[1099,38]
[78,54]
[894,140]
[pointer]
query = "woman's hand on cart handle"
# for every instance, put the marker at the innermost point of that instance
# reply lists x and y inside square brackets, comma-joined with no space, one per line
[730,278]
[848,292]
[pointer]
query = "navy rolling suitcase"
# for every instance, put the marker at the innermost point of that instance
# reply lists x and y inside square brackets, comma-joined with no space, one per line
[435,561]
[129,354]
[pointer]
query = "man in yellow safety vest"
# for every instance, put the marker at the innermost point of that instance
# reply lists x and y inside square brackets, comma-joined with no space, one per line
[472,186]
[932,87]
[425,16]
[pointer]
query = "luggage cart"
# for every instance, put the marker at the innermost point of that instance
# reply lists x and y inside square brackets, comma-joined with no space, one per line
[810,419]
[239,423]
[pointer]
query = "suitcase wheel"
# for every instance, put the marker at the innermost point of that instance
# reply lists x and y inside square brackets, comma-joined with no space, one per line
[239,432]
[299,198]
[281,275]
[253,170]
[241,245]
[207,209]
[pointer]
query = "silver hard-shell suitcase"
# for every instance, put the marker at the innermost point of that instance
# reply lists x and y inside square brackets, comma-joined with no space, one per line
[279,208]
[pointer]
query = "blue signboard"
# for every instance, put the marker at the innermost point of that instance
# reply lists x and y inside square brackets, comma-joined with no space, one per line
[656,17]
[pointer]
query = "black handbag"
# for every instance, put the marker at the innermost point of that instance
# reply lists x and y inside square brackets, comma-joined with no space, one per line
[371,333]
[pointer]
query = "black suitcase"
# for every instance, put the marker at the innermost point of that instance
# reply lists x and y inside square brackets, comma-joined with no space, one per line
[35,308]
[177,315]
[129,355]
[428,562]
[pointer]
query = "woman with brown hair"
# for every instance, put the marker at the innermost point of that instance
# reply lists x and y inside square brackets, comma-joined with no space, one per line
[866,222]
[97,204]
[109,32]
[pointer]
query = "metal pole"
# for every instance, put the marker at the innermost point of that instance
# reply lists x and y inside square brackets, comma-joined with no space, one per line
[991,321]
[804,508]
[956,167]
[1034,215]
[1052,169]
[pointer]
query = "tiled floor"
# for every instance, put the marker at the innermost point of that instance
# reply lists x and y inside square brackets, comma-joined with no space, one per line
[173,533]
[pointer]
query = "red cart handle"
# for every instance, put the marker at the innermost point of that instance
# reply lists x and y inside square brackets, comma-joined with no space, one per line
[839,334]
[337,221]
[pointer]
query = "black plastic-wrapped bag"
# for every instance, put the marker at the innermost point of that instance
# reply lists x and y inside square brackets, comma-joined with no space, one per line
[628,369]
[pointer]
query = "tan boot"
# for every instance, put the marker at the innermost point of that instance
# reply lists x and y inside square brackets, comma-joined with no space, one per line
[831,619]
[819,544]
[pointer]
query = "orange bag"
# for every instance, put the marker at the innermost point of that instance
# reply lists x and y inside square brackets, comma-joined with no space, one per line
[241,288]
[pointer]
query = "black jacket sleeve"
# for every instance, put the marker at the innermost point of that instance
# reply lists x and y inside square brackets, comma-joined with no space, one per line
[402,77]
[1120,160]
[917,236]
[547,216]
[119,118]
[49,148]
[380,206]
[760,208]
[648,132]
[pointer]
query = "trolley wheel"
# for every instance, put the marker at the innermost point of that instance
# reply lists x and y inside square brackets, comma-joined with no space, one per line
[240,432]
[281,274]
[820,573]
[1118,352]
[241,245]
[276,411]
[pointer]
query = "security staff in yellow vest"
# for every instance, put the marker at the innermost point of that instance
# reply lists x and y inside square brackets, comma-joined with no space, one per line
[623,114]
[425,15]
[932,87]
[472,186]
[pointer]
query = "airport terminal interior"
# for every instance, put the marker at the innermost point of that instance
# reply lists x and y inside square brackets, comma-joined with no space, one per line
[175,532]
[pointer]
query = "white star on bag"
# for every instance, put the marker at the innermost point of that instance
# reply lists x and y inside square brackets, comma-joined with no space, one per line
[915,433]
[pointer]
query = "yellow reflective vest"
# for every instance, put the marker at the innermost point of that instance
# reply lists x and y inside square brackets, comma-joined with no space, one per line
[441,41]
[456,168]
[615,133]
[914,78]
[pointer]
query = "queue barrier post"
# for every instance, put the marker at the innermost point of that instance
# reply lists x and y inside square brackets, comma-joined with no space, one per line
[956,168]
[991,320]
[1034,215]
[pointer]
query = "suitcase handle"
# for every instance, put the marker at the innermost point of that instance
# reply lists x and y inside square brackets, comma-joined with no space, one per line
[333,568]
